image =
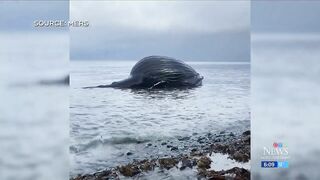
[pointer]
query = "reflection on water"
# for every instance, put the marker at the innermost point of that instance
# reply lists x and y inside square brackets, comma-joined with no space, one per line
[163,93]
[107,123]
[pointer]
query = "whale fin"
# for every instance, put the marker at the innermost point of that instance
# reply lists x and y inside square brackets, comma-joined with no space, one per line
[127,83]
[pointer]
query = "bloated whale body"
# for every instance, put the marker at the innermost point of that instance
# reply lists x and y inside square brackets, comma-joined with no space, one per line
[159,72]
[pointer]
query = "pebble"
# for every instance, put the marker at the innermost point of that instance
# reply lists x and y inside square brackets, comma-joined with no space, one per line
[204,162]
[174,148]
[183,138]
[246,133]
[186,163]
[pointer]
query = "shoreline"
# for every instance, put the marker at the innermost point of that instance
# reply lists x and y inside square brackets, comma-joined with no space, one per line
[197,159]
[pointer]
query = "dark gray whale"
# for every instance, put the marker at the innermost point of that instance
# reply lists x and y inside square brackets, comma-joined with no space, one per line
[159,72]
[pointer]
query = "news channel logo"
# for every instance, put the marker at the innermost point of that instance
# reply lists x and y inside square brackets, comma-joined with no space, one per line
[275,156]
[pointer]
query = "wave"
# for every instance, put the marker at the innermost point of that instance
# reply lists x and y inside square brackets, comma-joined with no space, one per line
[110,141]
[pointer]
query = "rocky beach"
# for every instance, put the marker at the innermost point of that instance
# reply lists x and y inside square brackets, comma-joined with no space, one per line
[198,161]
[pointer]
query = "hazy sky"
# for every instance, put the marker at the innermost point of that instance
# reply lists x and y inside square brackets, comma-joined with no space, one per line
[285,16]
[20,15]
[188,30]
[204,30]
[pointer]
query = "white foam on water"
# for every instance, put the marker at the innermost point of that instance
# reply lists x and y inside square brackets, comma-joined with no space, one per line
[223,162]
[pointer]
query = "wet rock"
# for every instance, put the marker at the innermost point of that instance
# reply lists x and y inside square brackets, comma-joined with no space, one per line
[167,163]
[73,149]
[204,162]
[238,156]
[206,148]
[201,140]
[194,150]
[183,138]
[194,162]
[149,144]
[202,173]
[104,175]
[185,162]
[234,173]
[169,146]
[174,148]
[129,153]
[164,143]
[196,153]
[240,173]
[209,135]
[246,133]
[238,148]
[147,165]
[247,139]
[129,170]
[213,175]
[222,148]
[85,177]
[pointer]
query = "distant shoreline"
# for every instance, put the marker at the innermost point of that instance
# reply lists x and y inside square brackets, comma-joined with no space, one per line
[187,61]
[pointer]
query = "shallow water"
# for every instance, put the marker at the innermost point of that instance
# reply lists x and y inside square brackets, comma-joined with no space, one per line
[223,162]
[107,123]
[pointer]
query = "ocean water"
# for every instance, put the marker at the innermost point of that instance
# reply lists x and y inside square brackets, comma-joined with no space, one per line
[286,103]
[33,117]
[106,123]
